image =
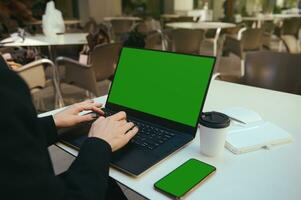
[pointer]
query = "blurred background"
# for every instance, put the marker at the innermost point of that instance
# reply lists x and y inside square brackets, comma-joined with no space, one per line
[67,50]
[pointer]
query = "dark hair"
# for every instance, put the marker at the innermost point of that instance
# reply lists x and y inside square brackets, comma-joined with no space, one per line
[134,39]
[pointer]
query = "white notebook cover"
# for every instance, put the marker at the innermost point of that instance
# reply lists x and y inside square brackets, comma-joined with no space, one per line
[253,135]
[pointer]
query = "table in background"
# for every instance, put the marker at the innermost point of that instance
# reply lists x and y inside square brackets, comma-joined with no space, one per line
[261,175]
[218,26]
[122,18]
[68,23]
[169,17]
[258,20]
[39,40]
[43,40]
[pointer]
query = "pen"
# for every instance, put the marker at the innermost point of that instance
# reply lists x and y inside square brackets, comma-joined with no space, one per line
[237,120]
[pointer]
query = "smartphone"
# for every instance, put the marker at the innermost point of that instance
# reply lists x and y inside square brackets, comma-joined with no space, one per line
[184,178]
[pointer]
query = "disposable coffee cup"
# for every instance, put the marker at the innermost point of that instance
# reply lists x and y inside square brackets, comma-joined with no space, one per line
[213,130]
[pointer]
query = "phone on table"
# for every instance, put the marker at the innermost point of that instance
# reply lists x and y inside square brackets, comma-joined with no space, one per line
[184,178]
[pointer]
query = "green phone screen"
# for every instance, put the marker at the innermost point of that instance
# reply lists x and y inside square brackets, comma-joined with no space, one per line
[178,182]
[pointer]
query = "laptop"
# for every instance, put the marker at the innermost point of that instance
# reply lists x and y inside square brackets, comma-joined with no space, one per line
[163,93]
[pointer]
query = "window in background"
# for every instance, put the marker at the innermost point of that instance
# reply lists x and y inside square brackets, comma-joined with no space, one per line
[143,8]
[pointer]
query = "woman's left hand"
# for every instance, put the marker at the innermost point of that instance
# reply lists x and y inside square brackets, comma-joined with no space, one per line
[70,116]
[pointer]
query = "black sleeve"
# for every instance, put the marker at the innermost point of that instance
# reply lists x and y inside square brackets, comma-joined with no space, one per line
[49,129]
[89,173]
[25,170]
[26,174]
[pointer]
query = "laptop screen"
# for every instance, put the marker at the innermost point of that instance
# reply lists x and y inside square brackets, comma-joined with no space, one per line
[167,85]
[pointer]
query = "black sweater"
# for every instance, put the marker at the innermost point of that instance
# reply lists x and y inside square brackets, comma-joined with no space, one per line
[25,167]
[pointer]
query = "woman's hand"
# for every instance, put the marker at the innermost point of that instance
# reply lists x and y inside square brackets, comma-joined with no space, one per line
[115,130]
[70,116]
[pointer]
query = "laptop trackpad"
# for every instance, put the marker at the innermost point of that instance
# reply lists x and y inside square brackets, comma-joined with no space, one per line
[133,160]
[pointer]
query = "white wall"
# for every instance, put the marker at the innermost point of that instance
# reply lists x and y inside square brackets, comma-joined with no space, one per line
[218,10]
[183,5]
[98,9]
[280,3]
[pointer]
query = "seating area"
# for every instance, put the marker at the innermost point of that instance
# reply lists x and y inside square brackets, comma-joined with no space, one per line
[87,65]
[73,58]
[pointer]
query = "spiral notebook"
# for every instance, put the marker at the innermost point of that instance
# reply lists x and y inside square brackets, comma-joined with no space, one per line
[255,134]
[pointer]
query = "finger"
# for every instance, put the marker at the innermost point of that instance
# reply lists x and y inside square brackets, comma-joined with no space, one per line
[89,107]
[99,119]
[118,116]
[98,110]
[84,118]
[96,104]
[127,126]
[122,122]
[131,133]
[87,103]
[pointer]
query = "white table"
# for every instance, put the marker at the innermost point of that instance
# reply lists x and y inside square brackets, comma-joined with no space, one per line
[49,41]
[43,40]
[67,22]
[201,25]
[218,26]
[122,18]
[261,175]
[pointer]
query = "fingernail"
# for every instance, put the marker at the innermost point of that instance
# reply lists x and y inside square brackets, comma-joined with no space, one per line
[94,115]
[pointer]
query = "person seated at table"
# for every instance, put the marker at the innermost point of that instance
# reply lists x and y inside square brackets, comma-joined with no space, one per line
[134,39]
[26,171]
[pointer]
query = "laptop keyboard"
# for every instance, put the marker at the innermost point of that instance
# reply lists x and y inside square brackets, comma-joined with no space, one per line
[148,137]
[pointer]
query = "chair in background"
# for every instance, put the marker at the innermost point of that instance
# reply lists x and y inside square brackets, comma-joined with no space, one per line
[41,76]
[120,27]
[248,40]
[166,35]
[271,70]
[35,77]
[103,61]
[152,31]
[187,40]
[270,40]
[154,41]
[99,35]
[148,26]
[289,34]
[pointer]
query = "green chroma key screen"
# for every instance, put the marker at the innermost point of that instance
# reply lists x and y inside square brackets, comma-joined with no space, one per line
[184,178]
[167,85]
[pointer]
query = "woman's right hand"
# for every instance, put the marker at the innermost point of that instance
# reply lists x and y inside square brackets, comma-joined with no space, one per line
[115,130]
